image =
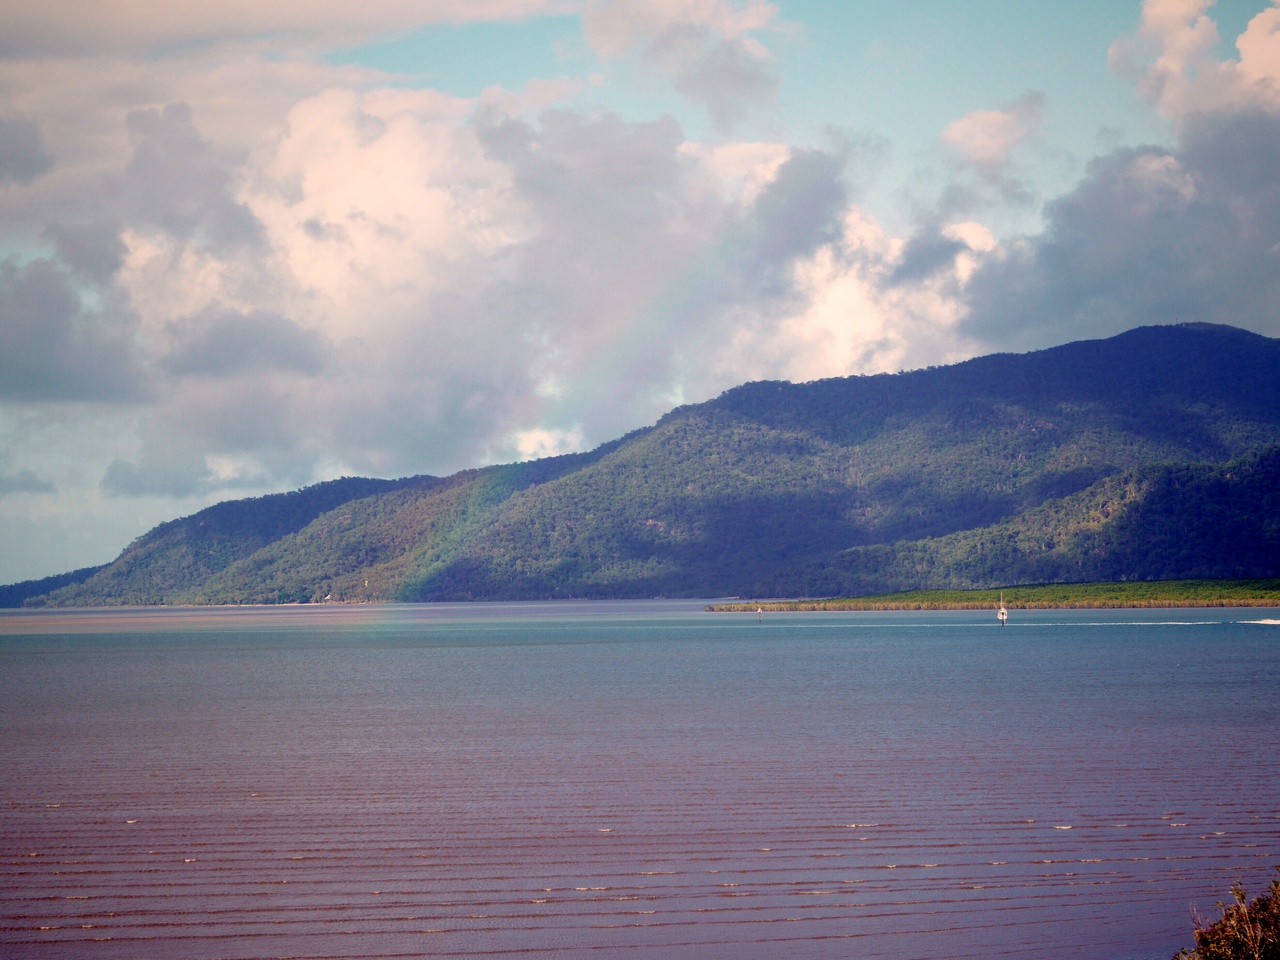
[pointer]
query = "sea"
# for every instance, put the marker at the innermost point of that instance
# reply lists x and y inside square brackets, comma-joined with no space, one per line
[631,780]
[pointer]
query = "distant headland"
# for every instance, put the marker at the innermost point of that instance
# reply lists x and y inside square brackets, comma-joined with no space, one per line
[1151,456]
[1160,593]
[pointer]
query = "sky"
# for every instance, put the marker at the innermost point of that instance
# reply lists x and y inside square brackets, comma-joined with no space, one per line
[247,247]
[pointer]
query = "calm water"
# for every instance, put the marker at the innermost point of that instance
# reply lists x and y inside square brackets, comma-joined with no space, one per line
[630,780]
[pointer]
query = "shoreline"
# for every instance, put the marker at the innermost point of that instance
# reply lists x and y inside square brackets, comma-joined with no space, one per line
[1104,595]
[786,606]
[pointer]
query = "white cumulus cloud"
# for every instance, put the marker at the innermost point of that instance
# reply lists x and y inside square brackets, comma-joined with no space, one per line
[1171,57]
[985,138]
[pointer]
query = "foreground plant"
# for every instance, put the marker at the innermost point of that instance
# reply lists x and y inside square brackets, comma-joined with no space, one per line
[1247,930]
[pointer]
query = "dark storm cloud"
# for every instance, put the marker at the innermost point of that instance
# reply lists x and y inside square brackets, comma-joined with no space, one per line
[23,157]
[1149,236]
[177,182]
[50,348]
[222,343]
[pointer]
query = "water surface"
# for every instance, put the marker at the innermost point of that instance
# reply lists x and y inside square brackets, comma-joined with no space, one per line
[630,780]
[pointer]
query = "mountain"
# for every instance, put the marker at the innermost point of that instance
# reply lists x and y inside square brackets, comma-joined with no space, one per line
[182,554]
[1154,454]
[16,594]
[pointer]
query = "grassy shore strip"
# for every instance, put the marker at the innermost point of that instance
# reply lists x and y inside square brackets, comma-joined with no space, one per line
[1053,596]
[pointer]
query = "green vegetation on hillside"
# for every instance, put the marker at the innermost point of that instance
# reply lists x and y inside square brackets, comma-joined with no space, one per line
[182,554]
[1159,593]
[16,594]
[1154,455]
[369,548]
[1158,522]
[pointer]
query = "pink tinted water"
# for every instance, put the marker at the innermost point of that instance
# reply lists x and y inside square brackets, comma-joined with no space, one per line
[632,780]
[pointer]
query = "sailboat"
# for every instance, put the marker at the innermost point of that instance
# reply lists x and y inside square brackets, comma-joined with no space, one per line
[1002,614]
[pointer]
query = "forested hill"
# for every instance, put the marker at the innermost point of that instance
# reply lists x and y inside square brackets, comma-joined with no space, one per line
[1151,455]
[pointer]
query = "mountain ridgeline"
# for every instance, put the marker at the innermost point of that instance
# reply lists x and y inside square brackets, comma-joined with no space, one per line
[1151,455]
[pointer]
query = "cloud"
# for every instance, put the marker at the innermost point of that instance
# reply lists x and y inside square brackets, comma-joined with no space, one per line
[1149,236]
[69,27]
[1171,60]
[248,271]
[636,252]
[22,153]
[852,311]
[175,470]
[795,213]
[728,77]
[393,281]
[223,343]
[178,184]
[1156,234]
[985,138]
[51,348]
[94,249]
[538,443]
[704,47]
[985,145]
[292,272]
[24,481]
[615,27]
[924,255]
[1259,48]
